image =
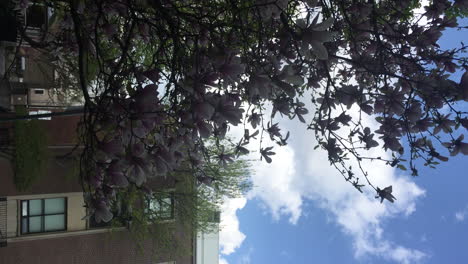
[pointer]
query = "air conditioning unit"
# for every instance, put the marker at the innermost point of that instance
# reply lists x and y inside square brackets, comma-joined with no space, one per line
[43,97]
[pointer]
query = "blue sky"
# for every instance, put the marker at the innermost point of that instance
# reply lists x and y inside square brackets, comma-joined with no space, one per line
[432,228]
[302,212]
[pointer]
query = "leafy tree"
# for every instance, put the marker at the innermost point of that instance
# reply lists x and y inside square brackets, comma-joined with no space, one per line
[160,76]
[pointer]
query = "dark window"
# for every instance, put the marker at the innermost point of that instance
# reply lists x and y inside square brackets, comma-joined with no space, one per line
[216,217]
[43,215]
[8,21]
[36,15]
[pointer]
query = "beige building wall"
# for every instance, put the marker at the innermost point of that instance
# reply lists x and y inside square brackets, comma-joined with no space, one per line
[76,212]
[12,220]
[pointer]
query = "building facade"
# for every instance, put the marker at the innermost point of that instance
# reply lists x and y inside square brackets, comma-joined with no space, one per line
[47,223]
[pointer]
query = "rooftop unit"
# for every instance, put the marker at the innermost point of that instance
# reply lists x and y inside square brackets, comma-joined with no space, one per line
[39,97]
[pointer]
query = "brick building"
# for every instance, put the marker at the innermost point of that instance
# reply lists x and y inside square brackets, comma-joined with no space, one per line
[46,223]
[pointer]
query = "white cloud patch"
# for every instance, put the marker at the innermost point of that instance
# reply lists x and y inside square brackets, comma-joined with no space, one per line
[461,215]
[230,236]
[371,244]
[298,172]
[222,260]
[404,255]
[274,185]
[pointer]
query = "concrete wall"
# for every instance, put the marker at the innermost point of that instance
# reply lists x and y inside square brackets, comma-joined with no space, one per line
[208,248]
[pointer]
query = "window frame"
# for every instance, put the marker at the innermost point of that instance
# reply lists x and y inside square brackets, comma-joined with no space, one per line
[171,196]
[39,5]
[42,215]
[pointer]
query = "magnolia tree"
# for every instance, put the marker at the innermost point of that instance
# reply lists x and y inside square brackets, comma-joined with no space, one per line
[158,77]
[194,203]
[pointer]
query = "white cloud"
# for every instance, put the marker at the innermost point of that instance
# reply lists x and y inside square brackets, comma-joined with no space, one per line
[406,256]
[461,215]
[371,244]
[420,11]
[230,236]
[275,187]
[299,173]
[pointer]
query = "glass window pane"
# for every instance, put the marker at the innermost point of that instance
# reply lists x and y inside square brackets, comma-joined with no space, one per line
[162,207]
[165,215]
[24,225]
[154,205]
[167,201]
[35,207]
[166,208]
[54,206]
[35,224]
[54,222]
[24,205]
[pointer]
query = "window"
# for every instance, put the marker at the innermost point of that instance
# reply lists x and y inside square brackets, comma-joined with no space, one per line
[43,215]
[20,66]
[215,217]
[161,207]
[36,15]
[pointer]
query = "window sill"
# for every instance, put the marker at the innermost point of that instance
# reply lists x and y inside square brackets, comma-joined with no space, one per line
[39,236]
